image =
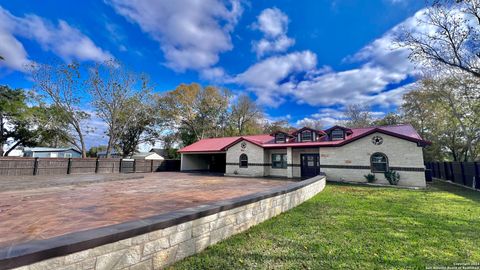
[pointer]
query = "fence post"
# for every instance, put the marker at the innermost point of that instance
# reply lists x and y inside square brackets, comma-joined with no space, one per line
[477,175]
[134,166]
[120,167]
[69,165]
[463,174]
[35,166]
[96,165]
[151,165]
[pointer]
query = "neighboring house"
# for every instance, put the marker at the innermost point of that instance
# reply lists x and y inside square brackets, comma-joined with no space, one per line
[46,152]
[343,154]
[147,156]
[113,154]
[159,151]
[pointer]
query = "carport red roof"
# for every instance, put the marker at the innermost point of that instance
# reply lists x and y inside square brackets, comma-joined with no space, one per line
[406,132]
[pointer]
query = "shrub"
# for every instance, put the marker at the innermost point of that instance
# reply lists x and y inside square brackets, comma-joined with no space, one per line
[370,178]
[393,177]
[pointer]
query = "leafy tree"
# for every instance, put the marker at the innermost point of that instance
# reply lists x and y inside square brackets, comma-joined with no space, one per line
[138,124]
[63,85]
[281,125]
[446,111]
[450,37]
[390,119]
[114,91]
[194,112]
[12,107]
[245,115]
[93,151]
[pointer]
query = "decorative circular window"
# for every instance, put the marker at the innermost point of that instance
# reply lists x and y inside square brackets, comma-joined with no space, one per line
[243,145]
[377,140]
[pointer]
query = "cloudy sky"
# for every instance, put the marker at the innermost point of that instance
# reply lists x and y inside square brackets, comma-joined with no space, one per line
[300,59]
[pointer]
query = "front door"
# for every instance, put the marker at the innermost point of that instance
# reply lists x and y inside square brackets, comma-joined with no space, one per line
[310,165]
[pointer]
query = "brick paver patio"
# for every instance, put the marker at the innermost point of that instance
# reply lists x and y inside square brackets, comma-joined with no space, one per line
[45,212]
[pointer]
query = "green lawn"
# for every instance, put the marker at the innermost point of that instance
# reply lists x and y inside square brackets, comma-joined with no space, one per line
[358,227]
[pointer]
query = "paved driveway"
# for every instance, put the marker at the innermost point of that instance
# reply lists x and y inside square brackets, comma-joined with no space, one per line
[44,212]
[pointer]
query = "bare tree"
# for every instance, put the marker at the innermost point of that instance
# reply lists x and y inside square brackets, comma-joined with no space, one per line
[358,116]
[113,88]
[245,115]
[449,37]
[62,84]
[310,123]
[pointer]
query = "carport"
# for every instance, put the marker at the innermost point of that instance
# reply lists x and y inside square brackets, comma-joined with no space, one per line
[207,162]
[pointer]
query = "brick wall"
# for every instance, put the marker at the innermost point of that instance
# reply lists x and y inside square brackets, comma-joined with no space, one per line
[160,248]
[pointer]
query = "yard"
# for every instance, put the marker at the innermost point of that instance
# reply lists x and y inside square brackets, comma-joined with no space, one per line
[359,227]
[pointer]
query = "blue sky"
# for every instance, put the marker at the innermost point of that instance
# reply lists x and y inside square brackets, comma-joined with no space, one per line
[299,59]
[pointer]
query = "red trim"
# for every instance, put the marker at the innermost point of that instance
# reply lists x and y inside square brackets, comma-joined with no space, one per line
[239,140]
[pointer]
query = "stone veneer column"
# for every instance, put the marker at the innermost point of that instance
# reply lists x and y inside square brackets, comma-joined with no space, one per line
[289,162]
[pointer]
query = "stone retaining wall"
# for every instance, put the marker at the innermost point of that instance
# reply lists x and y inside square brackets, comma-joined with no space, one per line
[193,230]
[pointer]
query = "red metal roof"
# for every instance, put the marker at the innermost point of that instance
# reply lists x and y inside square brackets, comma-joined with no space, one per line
[406,132]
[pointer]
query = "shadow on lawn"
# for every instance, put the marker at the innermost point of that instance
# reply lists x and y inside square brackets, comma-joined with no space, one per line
[442,186]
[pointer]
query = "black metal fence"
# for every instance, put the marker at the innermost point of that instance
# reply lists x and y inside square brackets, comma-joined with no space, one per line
[57,166]
[463,173]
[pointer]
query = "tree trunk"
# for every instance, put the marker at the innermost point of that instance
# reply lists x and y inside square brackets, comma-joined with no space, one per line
[12,148]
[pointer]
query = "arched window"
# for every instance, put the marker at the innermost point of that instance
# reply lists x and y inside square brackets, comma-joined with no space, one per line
[243,161]
[379,162]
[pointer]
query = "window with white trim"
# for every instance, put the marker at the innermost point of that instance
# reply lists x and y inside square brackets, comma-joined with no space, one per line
[243,161]
[337,134]
[279,161]
[306,136]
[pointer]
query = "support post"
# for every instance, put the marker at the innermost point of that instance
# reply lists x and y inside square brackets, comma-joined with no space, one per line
[120,166]
[151,165]
[289,162]
[134,165]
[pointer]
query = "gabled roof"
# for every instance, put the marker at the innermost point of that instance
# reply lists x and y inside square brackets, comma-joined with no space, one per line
[307,128]
[347,130]
[220,144]
[406,132]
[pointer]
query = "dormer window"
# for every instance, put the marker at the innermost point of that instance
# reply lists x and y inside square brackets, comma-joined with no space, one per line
[337,134]
[306,136]
[280,138]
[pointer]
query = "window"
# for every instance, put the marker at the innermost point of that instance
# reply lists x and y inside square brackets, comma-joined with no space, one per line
[337,134]
[243,161]
[379,162]
[306,136]
[279,161]
[280,138]
[68,155]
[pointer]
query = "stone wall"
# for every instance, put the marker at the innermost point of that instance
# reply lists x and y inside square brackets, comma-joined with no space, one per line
[355,157]
[256,160]
[160,248]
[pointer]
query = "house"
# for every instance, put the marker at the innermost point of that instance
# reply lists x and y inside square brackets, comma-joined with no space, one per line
[47,152]
[159,151]
[343,154]
[113,154]
[147,156]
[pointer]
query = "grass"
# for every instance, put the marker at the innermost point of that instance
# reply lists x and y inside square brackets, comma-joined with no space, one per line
[358,227]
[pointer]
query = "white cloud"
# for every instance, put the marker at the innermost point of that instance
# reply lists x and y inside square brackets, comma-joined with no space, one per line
[296,76]
[273,23]
[265,77]
[191,34]
[61,39]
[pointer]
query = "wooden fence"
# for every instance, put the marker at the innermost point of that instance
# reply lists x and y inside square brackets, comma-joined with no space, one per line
[463,173]
[58,166]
